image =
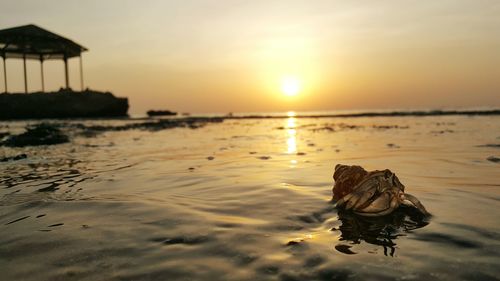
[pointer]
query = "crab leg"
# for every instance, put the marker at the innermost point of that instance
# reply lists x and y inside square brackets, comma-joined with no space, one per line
[359,196]
[413,201]
[363,196]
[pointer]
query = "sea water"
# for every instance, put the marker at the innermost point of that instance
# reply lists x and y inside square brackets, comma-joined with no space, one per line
[250,199]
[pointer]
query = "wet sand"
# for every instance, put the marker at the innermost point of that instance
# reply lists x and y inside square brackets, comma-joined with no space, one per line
[247,199]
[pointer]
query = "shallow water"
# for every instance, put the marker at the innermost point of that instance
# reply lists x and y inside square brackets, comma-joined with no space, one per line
[250,200]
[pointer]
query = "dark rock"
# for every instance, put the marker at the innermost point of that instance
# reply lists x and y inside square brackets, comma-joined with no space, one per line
[14,158]
[161,113]
[264,157]
[440,132]
[62,104]
[391,145]
[387,127]
[40,134]
[492,145]
[157,125]
[325,128]
[493,159]
[294,242]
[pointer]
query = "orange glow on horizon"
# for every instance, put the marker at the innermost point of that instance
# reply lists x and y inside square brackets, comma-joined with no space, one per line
[270,56]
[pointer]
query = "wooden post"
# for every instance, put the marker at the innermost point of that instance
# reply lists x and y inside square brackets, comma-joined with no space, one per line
[81,72]
[66,71]
[5,72]
[41,72]
[25,75]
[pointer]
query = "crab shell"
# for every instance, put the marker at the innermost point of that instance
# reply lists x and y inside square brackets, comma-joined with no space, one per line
[375,193]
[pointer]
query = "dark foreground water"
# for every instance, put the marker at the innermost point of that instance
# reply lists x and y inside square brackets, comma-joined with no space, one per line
[249,200]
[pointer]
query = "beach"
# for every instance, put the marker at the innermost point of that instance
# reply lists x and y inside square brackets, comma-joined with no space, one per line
[249,199]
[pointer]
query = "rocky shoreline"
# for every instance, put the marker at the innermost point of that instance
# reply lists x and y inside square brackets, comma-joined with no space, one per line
[61,132]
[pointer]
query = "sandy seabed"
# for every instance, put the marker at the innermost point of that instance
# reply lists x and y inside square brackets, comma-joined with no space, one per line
[249,200]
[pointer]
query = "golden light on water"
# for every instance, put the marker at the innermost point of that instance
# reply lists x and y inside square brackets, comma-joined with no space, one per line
[291,140]
[290,86]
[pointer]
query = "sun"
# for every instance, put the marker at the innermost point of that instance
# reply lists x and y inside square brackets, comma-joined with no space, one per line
[290,86]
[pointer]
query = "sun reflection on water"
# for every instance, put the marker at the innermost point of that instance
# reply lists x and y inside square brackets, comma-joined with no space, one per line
[291,141]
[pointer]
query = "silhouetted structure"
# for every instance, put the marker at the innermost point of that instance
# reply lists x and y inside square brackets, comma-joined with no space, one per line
[32,42]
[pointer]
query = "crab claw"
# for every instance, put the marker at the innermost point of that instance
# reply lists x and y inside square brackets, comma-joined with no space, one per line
[383,205]
[412,201]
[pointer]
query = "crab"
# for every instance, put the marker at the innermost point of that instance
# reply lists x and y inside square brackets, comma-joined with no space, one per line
[374,193]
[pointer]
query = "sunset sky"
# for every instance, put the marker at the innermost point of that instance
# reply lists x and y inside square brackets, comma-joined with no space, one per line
[247,56]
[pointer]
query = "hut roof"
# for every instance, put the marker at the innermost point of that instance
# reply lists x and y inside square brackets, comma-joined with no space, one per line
[36,43]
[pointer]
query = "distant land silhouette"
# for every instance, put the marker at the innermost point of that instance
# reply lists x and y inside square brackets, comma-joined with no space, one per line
[376,114]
